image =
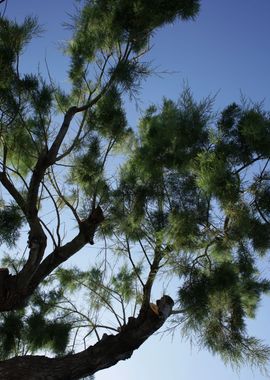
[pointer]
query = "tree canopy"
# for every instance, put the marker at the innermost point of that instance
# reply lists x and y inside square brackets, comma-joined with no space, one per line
[188,200]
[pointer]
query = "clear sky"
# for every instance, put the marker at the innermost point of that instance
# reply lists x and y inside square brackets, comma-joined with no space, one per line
[226,51]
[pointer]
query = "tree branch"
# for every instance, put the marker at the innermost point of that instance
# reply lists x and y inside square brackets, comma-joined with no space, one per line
[13,192]
[104,354]
[150,279]
[86,234]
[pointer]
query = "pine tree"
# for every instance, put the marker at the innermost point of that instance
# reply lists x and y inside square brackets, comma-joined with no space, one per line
[189,201]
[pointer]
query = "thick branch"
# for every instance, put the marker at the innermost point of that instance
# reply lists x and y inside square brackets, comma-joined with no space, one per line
[37,237]
[13,192]
[37,242]
[150,279]
[46,159]
[18,288]
[104,354]
[86,235]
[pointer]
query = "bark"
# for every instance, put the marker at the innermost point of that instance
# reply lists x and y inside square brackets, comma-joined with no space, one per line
[106,353]
[151,278]
[15,290]
[88,228]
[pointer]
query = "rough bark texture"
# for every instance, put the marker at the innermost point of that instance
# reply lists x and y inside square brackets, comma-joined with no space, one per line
[106,353]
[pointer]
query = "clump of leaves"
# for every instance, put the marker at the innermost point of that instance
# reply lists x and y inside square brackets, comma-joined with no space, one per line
[11,220]
[216,304]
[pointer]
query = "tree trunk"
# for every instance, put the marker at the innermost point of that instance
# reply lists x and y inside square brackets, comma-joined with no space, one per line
[105,353]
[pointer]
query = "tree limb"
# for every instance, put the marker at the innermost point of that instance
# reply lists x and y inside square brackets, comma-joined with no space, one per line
[86,234]
[104,354]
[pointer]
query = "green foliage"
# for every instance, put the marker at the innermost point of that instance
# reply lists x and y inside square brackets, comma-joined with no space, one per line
[108,118]
[239,139]
[190,187]
[184,230]
[10,331]
[13,38]
[216,303]
[215,177]
[68,278]
[104,25]
[124,282]
[25,100]
[262,198]
[20,148]
[11,221]
[88,170]
[173,136]
[34,328]
[41,333]
[156,187]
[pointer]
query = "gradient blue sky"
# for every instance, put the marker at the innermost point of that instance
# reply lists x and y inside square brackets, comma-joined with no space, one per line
[226,51]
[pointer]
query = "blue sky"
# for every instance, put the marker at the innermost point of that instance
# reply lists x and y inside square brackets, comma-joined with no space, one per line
[226,52]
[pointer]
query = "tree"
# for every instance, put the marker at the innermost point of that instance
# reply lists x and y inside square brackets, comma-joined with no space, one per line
[190,201]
